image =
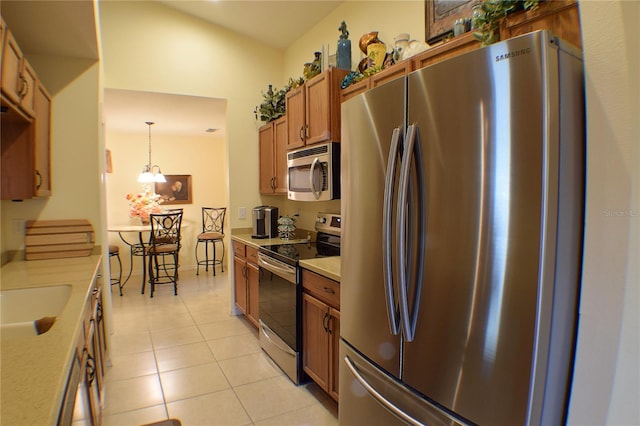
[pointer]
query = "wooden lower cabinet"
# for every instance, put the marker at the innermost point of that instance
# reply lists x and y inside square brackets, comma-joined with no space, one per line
[321,331]
[84,394]
[246,278]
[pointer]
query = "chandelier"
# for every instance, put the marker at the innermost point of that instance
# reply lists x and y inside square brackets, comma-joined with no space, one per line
[149,173]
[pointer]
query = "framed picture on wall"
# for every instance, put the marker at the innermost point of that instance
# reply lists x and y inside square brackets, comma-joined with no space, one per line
[440,15]
[176,190]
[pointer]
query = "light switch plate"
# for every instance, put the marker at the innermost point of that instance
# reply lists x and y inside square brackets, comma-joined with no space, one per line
[242,213]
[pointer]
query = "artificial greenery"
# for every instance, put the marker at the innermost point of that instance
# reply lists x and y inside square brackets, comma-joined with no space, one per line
[487,23]
[273,106]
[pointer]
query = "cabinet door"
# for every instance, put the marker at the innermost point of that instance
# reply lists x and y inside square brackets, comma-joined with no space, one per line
[334,353]
[315,340]
[11,63]
[296,118]
[240,284]
[266,147]
[253,308]
[318,105]
[28,81]
[42,142]
[280,155]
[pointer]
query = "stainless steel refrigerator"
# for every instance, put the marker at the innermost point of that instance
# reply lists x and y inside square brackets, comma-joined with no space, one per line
[462,207]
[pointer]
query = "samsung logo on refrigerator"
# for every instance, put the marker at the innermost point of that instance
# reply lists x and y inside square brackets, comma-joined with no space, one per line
[513,54]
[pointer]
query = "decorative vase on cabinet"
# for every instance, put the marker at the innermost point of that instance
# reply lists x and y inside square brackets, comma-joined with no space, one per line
[343,52]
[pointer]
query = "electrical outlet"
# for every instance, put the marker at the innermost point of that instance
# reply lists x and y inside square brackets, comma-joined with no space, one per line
[242,213]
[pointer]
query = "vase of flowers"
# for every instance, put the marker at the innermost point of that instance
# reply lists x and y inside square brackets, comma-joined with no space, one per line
[143,204]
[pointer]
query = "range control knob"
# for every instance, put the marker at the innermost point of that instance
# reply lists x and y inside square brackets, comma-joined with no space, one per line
[321,220]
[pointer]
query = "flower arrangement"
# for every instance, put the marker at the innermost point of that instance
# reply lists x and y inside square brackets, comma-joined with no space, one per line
[143,204]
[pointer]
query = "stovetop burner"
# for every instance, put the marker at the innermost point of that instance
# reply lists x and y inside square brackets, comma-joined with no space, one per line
[291,253]
[328,243]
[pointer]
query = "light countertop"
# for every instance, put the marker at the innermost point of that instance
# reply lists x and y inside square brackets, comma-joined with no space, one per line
[326,266]
[257,242]
[35,369]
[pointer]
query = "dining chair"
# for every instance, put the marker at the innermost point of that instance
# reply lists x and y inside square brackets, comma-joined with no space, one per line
[164,249]
[212,233]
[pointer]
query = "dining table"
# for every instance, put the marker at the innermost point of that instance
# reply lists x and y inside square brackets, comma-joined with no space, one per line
[136,248]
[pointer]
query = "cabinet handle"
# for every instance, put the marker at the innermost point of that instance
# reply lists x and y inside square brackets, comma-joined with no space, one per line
[328,290]
[25,87]
[301,133]
[39,176]
[325,323]
[91,369]
[273,183]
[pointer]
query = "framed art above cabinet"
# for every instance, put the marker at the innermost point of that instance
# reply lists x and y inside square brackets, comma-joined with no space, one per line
[440,15]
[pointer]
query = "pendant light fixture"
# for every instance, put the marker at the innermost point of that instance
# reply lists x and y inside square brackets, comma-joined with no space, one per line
[149,173]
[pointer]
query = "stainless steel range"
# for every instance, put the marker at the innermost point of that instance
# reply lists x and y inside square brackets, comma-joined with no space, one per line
[281,293]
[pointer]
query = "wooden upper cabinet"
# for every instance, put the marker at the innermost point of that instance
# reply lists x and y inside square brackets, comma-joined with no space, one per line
[313,110]
[323,106]
[18,77]
[272,139]
[280,155]
[560,16]
[398,70]
[266,144]
[42,142]
[296,124]
[26,122]
[11,68]
[355,89]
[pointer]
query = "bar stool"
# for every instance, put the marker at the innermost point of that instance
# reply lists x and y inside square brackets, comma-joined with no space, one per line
[114,251]
[212,232]
[164,249]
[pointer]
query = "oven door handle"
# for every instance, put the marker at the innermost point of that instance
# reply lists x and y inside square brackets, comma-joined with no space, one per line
[266,263]
[283,348]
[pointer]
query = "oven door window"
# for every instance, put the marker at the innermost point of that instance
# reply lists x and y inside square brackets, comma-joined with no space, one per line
[278,305]
[300,178]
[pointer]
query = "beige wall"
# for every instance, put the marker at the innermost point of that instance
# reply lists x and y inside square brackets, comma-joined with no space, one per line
[75,148]
[150,47]
[605,389]
[202,157]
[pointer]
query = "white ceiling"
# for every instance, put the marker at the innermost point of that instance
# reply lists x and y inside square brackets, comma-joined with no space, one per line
[128,110]
[275,23]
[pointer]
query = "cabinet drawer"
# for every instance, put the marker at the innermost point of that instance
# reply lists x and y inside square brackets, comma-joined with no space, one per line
[252,255]
[239,249]
[322,288]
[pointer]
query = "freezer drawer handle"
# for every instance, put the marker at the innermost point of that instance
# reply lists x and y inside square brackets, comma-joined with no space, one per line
[376,395]
[387,218]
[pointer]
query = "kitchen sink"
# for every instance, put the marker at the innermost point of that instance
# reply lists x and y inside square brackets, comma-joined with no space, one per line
[21,308]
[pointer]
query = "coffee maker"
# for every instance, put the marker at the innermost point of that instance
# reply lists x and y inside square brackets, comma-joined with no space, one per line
[265,222]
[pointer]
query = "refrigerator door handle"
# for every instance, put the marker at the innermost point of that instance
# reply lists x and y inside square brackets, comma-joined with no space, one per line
[411,151]
[387,218]
[378,397]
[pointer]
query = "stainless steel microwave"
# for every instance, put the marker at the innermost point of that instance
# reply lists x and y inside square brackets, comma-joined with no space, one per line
[314,173]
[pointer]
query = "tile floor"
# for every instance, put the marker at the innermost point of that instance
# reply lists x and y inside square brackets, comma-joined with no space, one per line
[186,357]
